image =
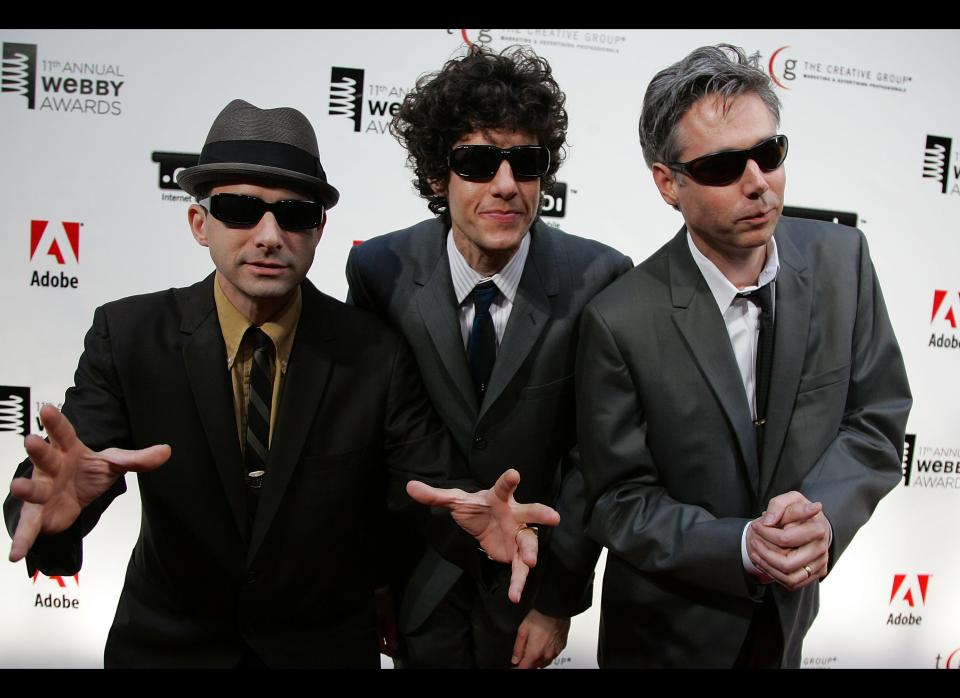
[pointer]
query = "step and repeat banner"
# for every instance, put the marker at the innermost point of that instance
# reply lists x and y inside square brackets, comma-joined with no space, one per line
[95,124]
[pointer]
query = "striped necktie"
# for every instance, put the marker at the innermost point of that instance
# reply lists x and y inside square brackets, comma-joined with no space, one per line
[257,438]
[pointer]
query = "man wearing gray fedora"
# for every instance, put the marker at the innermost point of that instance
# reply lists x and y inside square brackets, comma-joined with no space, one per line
[268,425]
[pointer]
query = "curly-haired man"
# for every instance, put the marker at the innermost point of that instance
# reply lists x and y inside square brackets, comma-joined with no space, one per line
[489,297]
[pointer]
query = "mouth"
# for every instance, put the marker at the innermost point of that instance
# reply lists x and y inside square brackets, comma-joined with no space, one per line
[760,216]
[502,216]
[266,267]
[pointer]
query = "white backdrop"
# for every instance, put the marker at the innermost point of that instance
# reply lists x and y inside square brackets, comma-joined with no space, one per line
[89,120]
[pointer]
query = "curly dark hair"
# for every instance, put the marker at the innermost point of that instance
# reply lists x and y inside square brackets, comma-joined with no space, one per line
[513,91]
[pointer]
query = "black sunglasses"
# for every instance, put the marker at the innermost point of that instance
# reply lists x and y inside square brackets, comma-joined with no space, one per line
[718,169]
[245,211]
[483,161]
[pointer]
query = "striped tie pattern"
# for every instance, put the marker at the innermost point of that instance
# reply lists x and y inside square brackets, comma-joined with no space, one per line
[257,438]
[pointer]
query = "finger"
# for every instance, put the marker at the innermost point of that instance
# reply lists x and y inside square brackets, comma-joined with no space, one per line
[798,512]
[818,570]
[58,428]
[506,485]
[539,514]
[28,528]
[433,496]
[139,461]
[35,491]
[518,578]
[520,644]
[795,536]
[528,545]
[777,505]
[44,456]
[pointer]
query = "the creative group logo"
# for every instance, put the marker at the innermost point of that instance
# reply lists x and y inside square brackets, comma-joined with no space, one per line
[60,590]
[790,67]
[824,661]
[54,251]
[941,164]
[14,410]
[951,661]
[71,85]
[576,39]
[367,106]
[930,467]
[908,595]
[944,316]
[170,165]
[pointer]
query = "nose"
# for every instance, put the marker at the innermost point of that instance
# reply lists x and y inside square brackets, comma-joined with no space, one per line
[503,184]
[268,233]
[753,181]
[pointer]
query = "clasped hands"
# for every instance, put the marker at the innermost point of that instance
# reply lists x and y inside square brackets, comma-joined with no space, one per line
[790,541]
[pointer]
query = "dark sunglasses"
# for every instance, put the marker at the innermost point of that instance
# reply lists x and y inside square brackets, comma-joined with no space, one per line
[245,211]
[725,167]
[483,161]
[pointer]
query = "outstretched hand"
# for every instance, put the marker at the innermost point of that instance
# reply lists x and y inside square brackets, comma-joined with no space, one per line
[67,476]
[496,520]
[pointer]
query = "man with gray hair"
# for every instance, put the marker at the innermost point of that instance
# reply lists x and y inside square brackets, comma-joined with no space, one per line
[742,396]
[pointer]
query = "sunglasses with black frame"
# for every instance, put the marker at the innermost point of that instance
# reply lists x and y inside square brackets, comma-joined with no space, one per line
[726,166]
[483,161]
[245,211]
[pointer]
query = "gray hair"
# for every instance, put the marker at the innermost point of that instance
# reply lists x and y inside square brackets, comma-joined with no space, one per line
[721,70]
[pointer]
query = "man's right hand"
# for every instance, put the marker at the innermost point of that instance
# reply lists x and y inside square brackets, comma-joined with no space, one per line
[67,476]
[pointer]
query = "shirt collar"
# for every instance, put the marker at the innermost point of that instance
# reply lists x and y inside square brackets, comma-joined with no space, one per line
[723,291]
[233,324]
[466,277]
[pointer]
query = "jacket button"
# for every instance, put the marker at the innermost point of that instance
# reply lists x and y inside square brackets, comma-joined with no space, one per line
[251,578]
[479,442]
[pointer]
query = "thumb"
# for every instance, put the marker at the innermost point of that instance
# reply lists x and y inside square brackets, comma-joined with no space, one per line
[137,461]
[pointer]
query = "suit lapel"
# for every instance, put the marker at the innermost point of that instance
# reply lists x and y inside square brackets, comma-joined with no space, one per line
[530,312]
[699,321]
[205,360]
[438,309]
[303,388]
[792,312]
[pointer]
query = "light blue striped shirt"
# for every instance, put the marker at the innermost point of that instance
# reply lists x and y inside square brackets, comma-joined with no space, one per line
[507,281]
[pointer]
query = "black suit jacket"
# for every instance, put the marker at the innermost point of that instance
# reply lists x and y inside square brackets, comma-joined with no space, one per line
[669,451]
[296,588]
[527,419]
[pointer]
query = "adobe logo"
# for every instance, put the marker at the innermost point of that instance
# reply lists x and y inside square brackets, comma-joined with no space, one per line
[946,307]
[911,588]
[55,240]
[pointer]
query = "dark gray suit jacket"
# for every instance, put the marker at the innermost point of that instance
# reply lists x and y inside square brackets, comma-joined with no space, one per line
[527,419]
[668,447]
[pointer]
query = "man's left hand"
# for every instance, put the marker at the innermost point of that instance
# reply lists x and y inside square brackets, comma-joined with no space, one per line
[496,520]
[540,639]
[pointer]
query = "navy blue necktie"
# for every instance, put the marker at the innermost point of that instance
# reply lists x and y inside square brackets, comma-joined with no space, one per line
[482,344]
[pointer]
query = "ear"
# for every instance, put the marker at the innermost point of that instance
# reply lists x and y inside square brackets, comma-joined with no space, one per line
[439,188]
[197,217]
[666,182]
[319,233]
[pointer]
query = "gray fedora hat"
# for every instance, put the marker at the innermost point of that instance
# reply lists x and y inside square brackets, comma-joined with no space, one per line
[275,146]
